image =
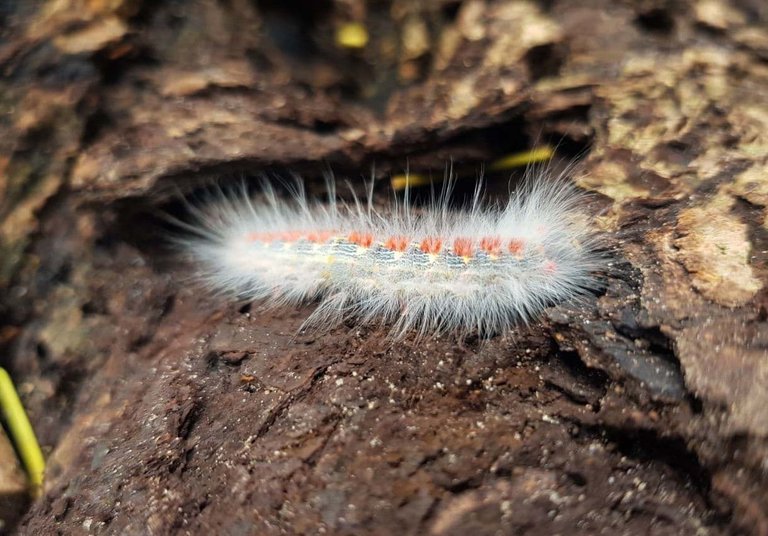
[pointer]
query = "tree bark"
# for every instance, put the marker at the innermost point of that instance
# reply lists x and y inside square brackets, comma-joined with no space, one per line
[164,411]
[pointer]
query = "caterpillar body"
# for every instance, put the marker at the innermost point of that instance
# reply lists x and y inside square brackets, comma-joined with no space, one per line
[430,270]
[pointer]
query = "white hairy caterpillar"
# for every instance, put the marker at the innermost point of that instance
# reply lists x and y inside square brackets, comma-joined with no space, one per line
[429,270]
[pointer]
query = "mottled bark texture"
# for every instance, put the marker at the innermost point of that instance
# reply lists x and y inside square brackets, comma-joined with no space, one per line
[164,411]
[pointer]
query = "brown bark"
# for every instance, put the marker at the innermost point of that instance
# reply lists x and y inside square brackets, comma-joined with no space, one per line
[164,411]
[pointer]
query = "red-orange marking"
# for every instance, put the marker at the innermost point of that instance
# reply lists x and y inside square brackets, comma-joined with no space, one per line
[550,267]
[289,236]
[431,245]
[361,239]
[319,237]
[516,246]
[396,243]
[463,247]
[491,245]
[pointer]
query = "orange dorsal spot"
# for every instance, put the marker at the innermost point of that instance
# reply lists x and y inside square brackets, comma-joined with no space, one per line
[293,237]
[516,246]
[463,247]
[396,243]
[319,237]
[491,245]
[366,240]
[361,239]
[550,267]
[431,245]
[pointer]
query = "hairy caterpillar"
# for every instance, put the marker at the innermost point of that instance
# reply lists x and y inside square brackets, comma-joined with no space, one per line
[431,270]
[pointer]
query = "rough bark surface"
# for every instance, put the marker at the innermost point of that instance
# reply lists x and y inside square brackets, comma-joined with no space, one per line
[164,411]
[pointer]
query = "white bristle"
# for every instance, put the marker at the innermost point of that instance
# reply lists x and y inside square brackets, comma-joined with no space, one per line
[432,270]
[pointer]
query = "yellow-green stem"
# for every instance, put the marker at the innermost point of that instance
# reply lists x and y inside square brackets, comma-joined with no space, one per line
[22,433]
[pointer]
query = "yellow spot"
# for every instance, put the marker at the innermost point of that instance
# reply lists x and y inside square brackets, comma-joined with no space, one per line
[330,259]
[352,35]
[398,255]
[399,182]
[22,432]
[432,257]
[539,154]
[466,259]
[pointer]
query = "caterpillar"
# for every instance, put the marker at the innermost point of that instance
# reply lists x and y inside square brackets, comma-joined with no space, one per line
[430,270]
